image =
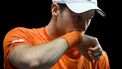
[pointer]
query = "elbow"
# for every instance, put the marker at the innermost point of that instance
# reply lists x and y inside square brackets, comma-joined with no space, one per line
[31,63]
[35,64]
[25,63]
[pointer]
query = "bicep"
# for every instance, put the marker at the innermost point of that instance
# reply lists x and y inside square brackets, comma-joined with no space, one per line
[14,40]
[16,55]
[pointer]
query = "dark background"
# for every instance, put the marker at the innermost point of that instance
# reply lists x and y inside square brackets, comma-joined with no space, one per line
[37,14]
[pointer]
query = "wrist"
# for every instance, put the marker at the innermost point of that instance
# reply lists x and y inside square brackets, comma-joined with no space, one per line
[72,37]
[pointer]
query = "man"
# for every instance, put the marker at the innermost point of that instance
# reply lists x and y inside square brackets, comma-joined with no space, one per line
[61,44]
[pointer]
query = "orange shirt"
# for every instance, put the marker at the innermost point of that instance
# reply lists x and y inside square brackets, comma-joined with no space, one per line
[72,59]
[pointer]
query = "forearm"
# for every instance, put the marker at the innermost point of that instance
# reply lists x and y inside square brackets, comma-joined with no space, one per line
[40,56]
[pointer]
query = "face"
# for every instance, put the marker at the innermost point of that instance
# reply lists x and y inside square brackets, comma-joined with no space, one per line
[69,21]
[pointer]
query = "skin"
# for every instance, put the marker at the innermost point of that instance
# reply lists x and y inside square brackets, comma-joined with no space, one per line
[32,57]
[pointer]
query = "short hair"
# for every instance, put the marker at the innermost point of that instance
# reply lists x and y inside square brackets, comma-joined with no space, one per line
[62,7]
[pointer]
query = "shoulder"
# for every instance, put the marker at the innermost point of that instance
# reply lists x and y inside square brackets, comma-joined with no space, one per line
[105,56]
[21,33]
[26,30]
[16,29]
[15,33]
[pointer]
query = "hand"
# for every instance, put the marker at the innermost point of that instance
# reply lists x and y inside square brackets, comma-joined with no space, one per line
[90,48]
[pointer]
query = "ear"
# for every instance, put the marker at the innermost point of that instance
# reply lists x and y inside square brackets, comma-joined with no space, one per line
[54,9]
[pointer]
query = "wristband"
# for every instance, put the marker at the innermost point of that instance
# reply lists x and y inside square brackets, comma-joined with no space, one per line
[72,37]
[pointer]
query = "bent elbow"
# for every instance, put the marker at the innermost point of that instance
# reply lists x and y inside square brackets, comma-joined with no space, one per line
[30,63]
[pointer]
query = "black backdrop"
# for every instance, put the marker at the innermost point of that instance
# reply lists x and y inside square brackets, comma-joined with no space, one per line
[37,14]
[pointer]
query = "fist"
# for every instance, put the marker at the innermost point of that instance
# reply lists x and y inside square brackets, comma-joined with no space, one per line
[90,48]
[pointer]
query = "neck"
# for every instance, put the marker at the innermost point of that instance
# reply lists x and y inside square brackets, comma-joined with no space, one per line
[52,30]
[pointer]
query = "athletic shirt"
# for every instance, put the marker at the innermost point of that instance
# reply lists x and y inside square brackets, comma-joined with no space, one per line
[72,59]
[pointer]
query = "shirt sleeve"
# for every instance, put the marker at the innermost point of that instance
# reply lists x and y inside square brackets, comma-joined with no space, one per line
[13,38]
[103,63]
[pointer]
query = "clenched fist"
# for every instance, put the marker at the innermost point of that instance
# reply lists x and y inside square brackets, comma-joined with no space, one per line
[90,48]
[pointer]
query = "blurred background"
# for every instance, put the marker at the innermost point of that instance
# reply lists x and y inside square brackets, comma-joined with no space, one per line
[37,14]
